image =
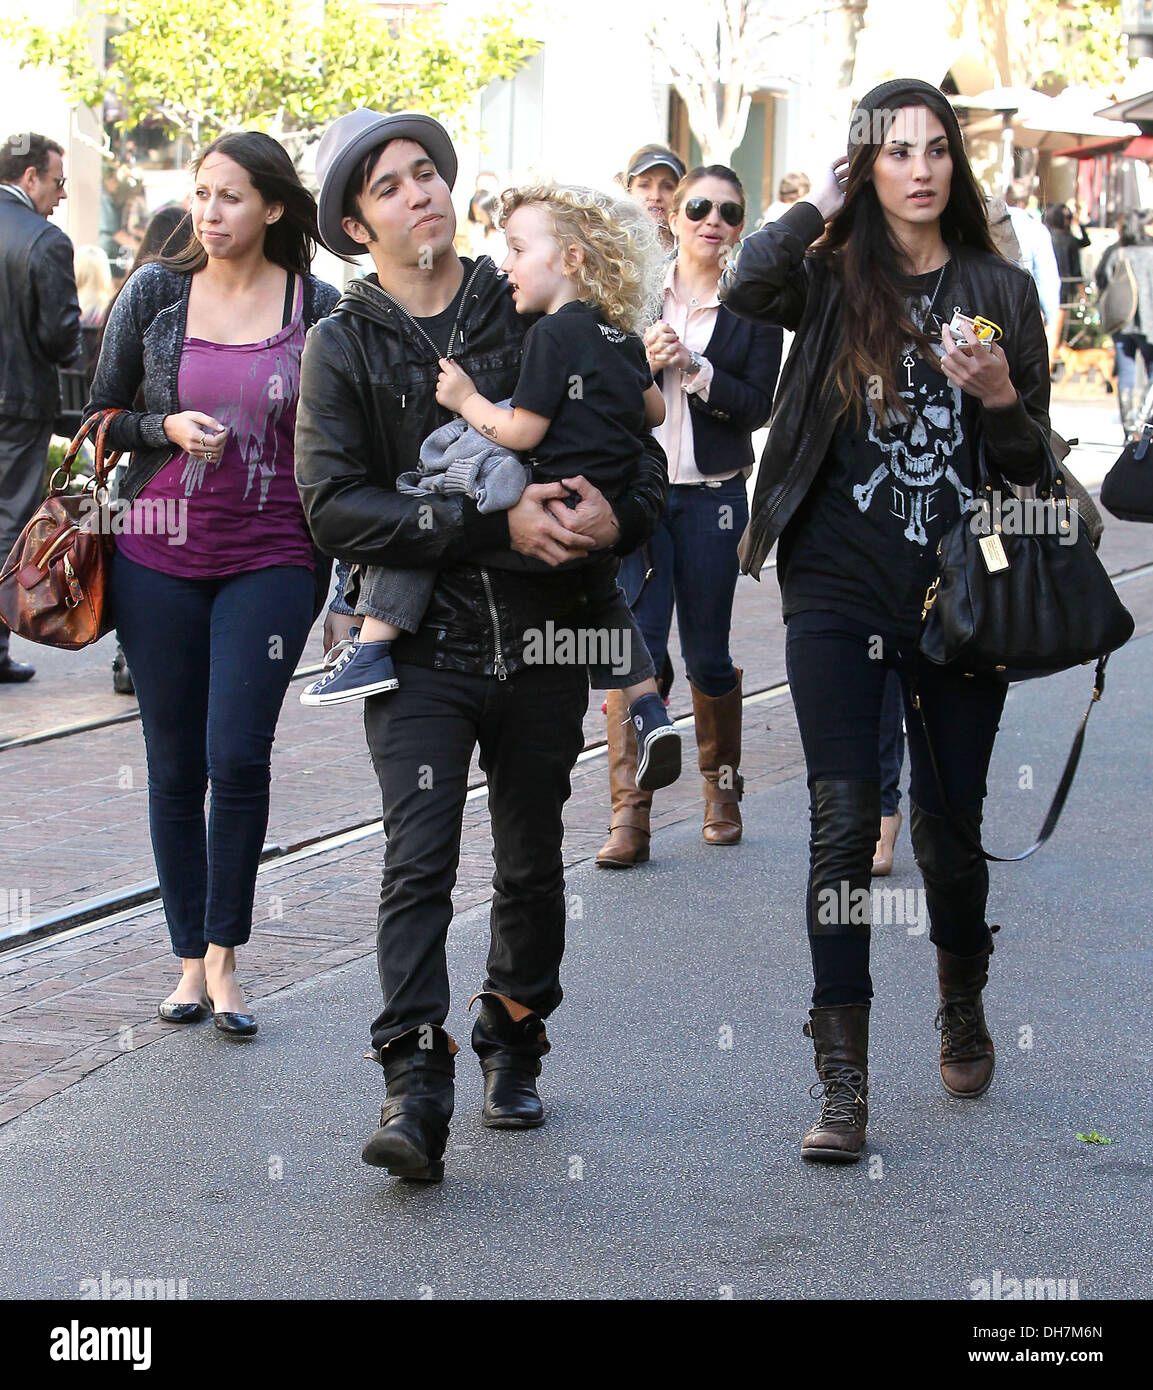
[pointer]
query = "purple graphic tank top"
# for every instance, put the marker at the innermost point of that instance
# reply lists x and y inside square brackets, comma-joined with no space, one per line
[243,511]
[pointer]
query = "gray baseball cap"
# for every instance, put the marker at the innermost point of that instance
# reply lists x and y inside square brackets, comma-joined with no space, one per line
[348,139]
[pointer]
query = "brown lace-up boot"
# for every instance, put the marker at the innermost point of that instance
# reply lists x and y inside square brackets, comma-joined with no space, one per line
[841,1043]
[628,841]
[718,724]
[966,1047]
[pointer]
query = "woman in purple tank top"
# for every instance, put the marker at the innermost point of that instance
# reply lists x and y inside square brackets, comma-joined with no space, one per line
[215,577]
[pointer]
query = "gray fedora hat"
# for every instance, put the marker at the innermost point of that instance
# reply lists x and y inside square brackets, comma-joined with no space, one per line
[348,139]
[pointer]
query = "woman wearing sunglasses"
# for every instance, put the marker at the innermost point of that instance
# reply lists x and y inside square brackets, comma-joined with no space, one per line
[717,374]
[873,454]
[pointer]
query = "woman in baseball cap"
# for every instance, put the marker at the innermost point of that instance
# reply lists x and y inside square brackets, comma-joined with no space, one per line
[651,177]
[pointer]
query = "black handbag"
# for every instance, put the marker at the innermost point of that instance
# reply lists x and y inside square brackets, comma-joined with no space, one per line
[1009,605]
[1020,591]
[1127,489]
[1118,303]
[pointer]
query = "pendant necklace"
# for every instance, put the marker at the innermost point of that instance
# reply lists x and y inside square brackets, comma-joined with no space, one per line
[908,361]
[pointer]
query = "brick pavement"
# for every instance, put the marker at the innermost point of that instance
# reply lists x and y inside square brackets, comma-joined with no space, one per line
[78,1003]
[64,1008]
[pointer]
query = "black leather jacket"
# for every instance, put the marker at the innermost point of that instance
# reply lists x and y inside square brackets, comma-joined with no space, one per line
[367,403]
[772,280]
[39,314]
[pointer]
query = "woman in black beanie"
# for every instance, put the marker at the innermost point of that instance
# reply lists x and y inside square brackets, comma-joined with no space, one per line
[881,411]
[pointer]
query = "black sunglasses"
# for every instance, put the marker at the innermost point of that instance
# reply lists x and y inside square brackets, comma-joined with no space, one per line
[697,209]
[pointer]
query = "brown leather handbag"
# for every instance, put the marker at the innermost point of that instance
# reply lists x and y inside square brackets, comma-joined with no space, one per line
[52,586]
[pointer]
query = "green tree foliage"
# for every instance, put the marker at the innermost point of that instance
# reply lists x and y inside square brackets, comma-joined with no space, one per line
[1077,43]
[206,66]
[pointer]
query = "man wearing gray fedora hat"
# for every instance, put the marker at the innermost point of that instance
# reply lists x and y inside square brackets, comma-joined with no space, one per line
[367,403]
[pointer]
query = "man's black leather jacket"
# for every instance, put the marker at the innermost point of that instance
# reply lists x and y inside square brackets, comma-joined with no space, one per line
[39,314]
[772,280]
[367,403]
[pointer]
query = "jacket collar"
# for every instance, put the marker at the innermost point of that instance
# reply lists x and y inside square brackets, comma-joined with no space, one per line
[482,281]
[670,287]
[19,195]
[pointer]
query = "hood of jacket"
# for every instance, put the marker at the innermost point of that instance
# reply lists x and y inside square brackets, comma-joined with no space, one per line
[483,286]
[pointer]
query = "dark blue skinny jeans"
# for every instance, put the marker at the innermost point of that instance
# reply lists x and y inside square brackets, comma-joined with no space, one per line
[694,560]
[1126,347]
[211,660]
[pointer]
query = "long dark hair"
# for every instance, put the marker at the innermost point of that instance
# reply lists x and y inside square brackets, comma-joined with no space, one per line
[1057,217]
[291,240]
[862,249]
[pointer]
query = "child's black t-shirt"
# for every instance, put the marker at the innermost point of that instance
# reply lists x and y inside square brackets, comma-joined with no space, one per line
[589,379]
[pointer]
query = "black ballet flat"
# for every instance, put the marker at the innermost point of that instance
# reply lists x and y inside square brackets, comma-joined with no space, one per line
[182,1013]
[235,1025]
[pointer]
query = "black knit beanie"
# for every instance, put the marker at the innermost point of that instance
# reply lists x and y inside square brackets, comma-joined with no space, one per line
[866,128]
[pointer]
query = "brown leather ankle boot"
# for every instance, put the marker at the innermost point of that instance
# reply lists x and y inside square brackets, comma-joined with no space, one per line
[628,841]
[841,1043]
[966,1047]
[718,724]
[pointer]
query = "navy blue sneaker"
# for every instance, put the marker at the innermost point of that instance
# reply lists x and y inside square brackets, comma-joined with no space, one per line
[360,669]
[658,743]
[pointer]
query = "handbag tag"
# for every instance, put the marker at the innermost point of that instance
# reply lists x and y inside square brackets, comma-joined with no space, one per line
[993,553]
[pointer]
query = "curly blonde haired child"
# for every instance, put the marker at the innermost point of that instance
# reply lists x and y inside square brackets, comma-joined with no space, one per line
[621,266]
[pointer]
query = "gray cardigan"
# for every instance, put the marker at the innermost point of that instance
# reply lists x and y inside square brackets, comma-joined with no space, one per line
[142,345]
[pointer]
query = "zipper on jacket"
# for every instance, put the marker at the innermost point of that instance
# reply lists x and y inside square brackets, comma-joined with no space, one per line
[499,669]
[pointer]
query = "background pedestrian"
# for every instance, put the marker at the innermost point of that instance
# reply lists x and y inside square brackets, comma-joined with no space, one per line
[717,374]
[40,333]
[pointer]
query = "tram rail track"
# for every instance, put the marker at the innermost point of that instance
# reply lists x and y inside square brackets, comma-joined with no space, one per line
[88,726]
[110,908]
[93,914]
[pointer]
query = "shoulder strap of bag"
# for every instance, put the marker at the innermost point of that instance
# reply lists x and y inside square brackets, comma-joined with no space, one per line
[1121,256]
[1053,815]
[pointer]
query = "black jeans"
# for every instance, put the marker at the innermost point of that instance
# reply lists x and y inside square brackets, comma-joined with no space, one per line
[23,459]
[211,659]
[837,672]
[421,737]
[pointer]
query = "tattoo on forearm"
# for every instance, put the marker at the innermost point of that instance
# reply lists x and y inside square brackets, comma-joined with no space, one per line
[489,430]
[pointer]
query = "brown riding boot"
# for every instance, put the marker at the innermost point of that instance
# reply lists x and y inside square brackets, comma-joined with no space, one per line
[718,724]
[628,841]
[841,1043]
[966,1047]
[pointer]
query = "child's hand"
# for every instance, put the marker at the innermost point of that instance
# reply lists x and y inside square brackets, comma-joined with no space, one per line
[453,386]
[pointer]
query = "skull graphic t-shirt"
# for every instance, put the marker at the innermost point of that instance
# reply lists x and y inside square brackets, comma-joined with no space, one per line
[864,542]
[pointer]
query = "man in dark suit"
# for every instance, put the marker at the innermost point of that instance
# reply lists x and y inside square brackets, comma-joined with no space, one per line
[41,331]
